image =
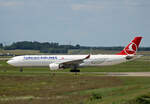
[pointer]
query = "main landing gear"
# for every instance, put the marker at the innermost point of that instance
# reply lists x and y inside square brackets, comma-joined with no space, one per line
[74,69]
[77,70]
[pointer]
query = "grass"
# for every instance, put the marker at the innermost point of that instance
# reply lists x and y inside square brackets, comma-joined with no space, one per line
[131,88]
[19,52]
[70,89]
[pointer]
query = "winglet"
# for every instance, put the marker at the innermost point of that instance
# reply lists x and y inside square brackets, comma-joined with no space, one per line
[88,56]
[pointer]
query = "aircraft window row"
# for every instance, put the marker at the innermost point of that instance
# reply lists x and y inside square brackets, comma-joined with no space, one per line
[40,58]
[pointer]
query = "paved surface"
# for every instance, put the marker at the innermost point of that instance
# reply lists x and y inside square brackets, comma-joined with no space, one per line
[4,58]
[142,74]
[146,74]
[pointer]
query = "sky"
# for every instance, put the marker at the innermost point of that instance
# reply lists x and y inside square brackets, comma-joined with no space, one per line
[84,22]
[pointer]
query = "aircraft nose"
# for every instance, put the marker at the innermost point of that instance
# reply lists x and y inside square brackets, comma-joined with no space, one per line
[12,62]
[9,62]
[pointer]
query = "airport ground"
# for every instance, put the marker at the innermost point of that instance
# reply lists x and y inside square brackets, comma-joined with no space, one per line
[94,85]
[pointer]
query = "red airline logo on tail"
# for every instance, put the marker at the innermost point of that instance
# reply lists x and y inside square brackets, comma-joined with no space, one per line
[132,47]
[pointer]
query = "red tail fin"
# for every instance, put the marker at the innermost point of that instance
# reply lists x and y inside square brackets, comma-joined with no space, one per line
[132,47]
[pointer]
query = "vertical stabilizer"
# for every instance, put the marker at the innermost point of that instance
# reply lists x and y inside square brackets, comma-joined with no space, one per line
[132,47]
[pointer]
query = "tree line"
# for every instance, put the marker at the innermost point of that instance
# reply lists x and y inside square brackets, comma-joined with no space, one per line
[53,47]
[44,47]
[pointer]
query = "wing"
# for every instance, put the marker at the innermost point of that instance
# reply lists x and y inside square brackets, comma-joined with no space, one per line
[73,62]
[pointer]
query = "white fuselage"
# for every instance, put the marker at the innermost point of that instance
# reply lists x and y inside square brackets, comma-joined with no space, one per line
[46,60]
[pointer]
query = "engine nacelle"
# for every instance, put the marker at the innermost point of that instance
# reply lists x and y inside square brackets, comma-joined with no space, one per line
[130,57]
[54,66]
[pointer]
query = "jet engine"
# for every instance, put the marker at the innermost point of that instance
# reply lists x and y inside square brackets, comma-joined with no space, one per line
[54,66]
[129,57]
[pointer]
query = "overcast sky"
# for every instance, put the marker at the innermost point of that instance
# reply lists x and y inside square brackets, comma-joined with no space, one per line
[84,22]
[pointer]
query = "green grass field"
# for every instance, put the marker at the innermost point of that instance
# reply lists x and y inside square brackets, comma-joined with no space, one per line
[71,89]
[39,85]
[20,52]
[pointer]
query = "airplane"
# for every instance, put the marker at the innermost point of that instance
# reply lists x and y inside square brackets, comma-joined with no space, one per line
[58,62]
